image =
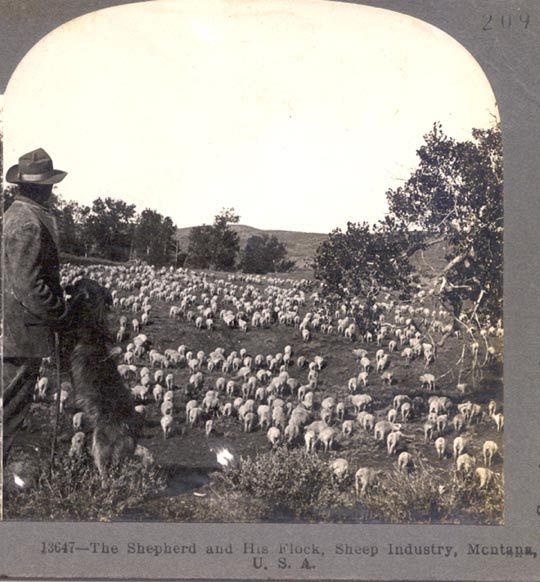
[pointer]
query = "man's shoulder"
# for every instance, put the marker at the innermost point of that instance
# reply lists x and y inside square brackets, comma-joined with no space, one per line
[20,215]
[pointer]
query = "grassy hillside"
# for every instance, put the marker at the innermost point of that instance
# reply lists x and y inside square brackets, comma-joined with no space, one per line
[301,245]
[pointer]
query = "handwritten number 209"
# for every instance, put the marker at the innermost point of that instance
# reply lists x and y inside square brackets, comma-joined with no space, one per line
[506,21]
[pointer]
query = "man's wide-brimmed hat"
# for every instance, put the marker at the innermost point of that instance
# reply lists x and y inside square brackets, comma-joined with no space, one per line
[34,168]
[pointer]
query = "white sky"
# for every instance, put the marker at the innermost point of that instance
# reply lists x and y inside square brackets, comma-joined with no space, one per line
[300,114]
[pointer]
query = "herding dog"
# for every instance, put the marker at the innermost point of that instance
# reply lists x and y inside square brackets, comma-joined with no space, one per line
[100,392]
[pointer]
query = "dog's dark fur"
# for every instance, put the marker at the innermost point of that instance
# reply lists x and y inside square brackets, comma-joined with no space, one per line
[100,392]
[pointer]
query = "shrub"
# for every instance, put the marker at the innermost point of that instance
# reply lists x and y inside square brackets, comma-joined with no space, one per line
[73,491]
[424,496]
[292,482]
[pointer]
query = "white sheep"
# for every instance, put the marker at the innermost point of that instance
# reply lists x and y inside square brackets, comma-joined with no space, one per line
[459,446]
[274,436]
[465,463]
[440,447]
[166,425]
[327,437]
[392,442]
[405,461]
[347,428]
[209,427]
[310,439]
[364,478]
[484,476]
[78,419]
[489,451]
[498,418]
[77,445]
[340,468]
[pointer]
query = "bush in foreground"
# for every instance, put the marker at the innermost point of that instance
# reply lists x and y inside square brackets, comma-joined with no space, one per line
[73,491]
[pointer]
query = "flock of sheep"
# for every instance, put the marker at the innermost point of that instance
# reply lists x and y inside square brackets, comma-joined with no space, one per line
[381,389]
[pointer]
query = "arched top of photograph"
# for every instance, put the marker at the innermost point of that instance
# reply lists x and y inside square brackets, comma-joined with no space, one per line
[299,114]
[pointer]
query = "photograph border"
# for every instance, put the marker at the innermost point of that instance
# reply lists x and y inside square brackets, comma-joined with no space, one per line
[509,57]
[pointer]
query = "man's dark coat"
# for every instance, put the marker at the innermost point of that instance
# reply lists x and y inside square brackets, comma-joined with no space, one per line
[32,292]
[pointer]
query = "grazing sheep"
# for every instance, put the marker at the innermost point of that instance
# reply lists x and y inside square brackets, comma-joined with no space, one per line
[428,381]
[391,416]
[340,468]
[429,429]
[458,422]
[498,418]
[347,427]
[484,476]
[195,414]
[274,436]
[489,450]
[166,425]
[442,423]
[364,478]
[399,400]
[340,410]
[361,402]
[392,442]
[310,438]
[250,421]
[363,379]
[383,428]
[77,445]
[209,427]
[465,463]
[405,461]
[459,446]
[327,437]
[291,433]
[492,408]
[405,411]
[78,419]
[440,447]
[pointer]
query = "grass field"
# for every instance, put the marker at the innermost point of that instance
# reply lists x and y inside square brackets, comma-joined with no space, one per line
[188,458]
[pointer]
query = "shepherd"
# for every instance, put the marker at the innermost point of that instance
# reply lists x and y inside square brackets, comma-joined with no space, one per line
[34,305]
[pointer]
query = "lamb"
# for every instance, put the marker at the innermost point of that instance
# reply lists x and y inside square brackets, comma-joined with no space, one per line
[340,468]
[364,478]
[340,410]
[492,408]
[440,447]
[209,427]
[429,429]
[489,450]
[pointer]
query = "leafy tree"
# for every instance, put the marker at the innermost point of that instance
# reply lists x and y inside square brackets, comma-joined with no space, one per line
[263,254]
[214,246]
[109,228]
[153,237]
[456,195]
[362,260]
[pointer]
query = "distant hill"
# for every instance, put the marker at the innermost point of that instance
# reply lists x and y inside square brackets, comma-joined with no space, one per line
[301,246]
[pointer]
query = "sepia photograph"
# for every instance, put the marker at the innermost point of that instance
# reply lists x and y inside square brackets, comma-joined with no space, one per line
[269,289]
[252,269]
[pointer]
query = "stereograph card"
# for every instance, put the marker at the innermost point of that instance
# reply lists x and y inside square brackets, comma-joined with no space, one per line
[269,289]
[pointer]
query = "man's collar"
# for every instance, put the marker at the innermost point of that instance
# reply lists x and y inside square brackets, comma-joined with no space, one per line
[32,202]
